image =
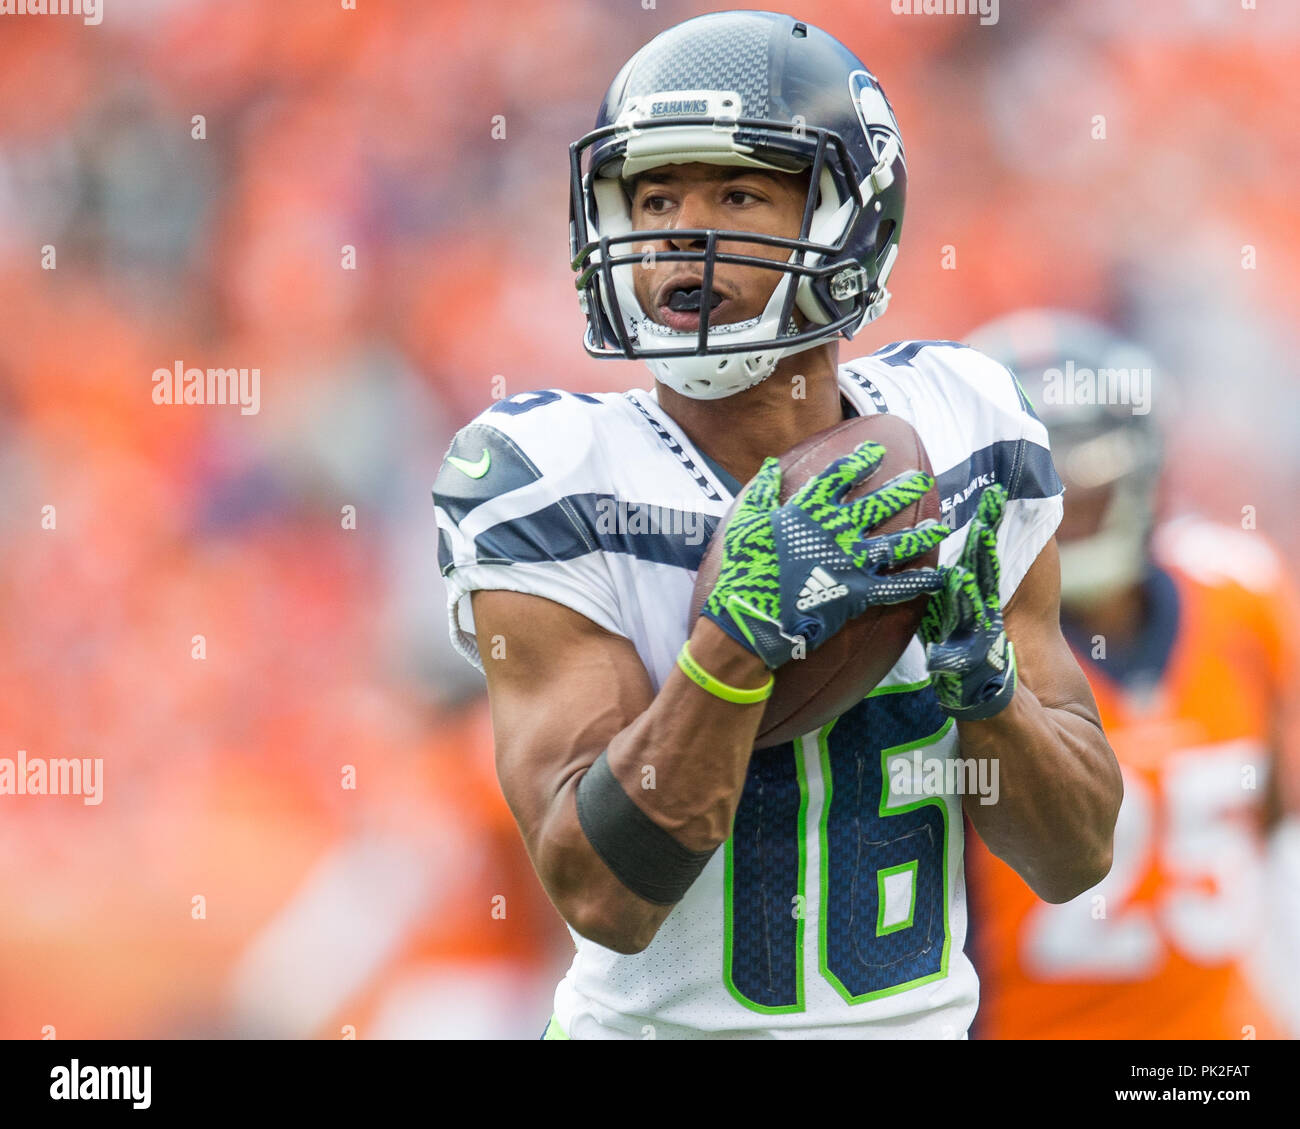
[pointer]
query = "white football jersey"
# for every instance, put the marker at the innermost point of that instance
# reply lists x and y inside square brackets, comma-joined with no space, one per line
[837,908]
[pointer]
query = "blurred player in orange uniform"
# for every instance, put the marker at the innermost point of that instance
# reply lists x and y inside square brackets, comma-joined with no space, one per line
[423,919]
[1186,631]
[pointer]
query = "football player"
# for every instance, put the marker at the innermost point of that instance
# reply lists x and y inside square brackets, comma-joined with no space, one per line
[734,214]
[1184,630]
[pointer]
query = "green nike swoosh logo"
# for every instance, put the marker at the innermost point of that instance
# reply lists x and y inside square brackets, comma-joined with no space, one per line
[474,470]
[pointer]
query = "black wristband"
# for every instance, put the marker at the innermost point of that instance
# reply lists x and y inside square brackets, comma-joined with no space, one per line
[639,853]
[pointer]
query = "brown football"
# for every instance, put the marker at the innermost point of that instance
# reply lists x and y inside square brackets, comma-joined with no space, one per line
[811,691]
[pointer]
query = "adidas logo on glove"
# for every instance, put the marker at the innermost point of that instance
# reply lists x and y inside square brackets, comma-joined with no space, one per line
[820,588]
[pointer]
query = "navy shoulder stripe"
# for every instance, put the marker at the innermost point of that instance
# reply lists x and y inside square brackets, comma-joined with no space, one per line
[1024,468]
[548,534]
[584,523]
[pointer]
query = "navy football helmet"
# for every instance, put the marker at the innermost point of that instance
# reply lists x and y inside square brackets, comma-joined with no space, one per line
[755,89]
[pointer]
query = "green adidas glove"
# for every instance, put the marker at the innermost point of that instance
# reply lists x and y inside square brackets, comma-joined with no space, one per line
[796,573]
[972,663]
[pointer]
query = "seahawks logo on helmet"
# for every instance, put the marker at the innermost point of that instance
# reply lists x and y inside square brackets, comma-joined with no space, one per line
[878,122]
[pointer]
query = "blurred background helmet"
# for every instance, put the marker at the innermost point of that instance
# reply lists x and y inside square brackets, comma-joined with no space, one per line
[1092,389]
[758,90]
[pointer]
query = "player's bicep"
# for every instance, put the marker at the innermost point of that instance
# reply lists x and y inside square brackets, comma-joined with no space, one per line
[1043,658]
[559,687]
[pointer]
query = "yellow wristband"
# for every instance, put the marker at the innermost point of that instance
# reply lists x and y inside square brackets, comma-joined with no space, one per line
[703,679]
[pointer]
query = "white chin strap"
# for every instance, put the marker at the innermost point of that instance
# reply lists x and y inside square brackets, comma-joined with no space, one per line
[715,376]
[712,377]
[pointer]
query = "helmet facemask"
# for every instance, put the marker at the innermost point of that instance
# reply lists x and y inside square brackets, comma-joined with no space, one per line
[830,288]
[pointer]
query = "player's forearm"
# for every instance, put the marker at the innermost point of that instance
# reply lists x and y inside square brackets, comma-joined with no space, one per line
[1058,797]
[683,762]
[585,891]
[685,758]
